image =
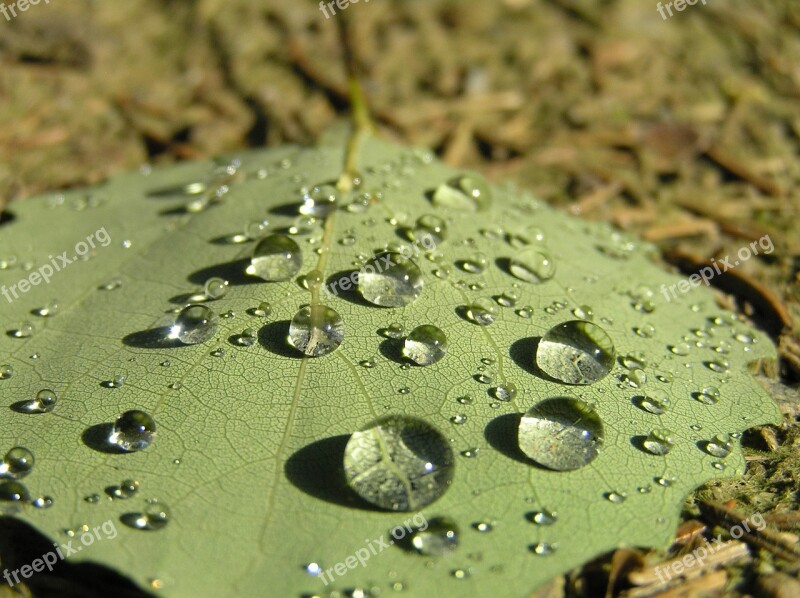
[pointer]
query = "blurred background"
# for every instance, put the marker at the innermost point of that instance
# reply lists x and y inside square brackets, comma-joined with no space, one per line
[683,129]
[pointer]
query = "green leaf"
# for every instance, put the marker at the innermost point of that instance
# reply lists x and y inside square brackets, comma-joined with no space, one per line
[249,448]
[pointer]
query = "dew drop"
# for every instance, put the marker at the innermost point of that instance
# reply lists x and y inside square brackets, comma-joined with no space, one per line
[576,352]
[561,433]
[320,202]
[215,288]
[718,366]
[155,516]
[25,330]
[276,258]
[316,330]
[477,264]
[48,310]
[12,496]
[42,502]
[440,537]
[399,463]
[615,497]
[525,312]
[483,526]
[482,312]
[263,310]
[659,442]
[459,419]
[505,392]
[645,330]
[390,280]
[532,265]
[429,227]
[720,446]
[6,371]
[656,402]
[467,192]
[425,345]
[544,517]
[44,402]
[680,348]
[195,324]
[133,431]
[710,395]
[543,548]
[17,463]
[127,489]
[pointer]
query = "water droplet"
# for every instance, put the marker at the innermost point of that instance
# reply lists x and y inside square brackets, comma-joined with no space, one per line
[195,324]
[25,330]
[460,573]
[440,537]
[320,202]
[505,392]
[718,366]
[44,402]
[645,330]
[6,371]
[48,310]
[17,463]
[399,463]
[247,338]
[276,258]
[470,453]
[155,516]
[635,378]
[219,352]
[656,402]
[465,400]
[43,502]
[92,499]
[720,446]
[561,433]
[615,497]
[543,548]
[681,348]
[477,264]
[404,391]
[216,288]
[483,526]
[710,395]
[659,442]
[482,311]
[390,280]
[507,299]
[459,419]
[544,517]
[532,265]
[316,330]
[576,352]
[133,431]
[430,228]
[111,285]
[525,312]
[425,345]
[467,192]
[12,496]
[584,312]
[126,489]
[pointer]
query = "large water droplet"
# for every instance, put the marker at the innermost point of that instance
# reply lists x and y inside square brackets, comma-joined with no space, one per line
[425,345]
[561,433]
[17,463]
[316,330]
[533,265]
[576,352]
[44,402]
[215,288]
[399,463]
[390,280]
[276,258]
[659,442]
[133,431]
[195,324]
[438,538]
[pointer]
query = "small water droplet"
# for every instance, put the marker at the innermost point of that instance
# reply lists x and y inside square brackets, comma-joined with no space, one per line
[561,433]
[320,202]
[215,288]
[505,392]
[467,192]
[525,312]
[44,402]
[659,442]
[584,312]
[6,371]
[656,402]
[710,395]
[615,497]
[440,537]
[390,280]
[25,330]
[543,548]
[48,310]
[476,264]
[17,463]
[425,345]
[470,453]
[399,463]
[316,330]
[43,502]
[483,526]
[720,446]
[680,348]
[482,311]
[544,517]
[126,489]
[532,265]
[13,495]
[133,431]
[576,352]
[195,324]
[718,366]
[430,228]
[276,258]
[155,516]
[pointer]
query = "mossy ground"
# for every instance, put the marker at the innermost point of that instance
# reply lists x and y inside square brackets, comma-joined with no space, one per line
[683,130]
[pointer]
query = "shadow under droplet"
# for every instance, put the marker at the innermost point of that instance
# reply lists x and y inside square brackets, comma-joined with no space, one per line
[235,272]
[638,442]
[21,545]
[97,437]
[154,338]
[504,264]
[392,349]
[7,218]
[274,338]
[23,407]
[501,434]
[318,470]
[133,520]
[523,352]
[350,291]
[287,209]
